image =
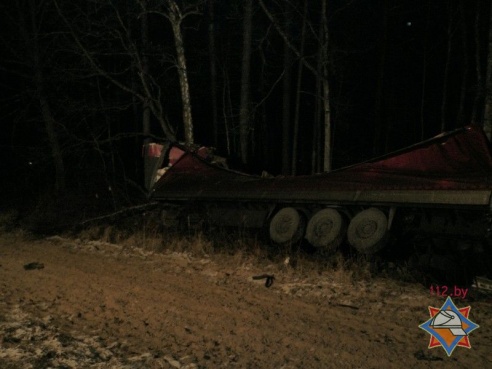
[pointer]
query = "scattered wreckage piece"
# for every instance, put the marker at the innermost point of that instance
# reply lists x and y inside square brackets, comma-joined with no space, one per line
[33,266]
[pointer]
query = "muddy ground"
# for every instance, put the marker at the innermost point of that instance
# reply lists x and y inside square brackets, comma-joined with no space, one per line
[93,304]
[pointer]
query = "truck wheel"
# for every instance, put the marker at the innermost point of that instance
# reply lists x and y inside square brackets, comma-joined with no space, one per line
[287,226]
[325,229]
[367,231]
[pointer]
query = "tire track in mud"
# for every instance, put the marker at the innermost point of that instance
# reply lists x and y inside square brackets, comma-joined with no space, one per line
[175,306]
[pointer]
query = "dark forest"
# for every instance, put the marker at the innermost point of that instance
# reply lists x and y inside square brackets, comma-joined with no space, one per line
[288,86]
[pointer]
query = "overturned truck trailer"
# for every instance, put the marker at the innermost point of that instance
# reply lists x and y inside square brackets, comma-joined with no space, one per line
[437,192]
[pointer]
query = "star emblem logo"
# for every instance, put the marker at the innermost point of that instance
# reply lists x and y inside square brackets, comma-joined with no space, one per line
[449,326]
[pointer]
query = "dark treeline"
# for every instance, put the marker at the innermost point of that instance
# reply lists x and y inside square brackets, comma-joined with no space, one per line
[290,86]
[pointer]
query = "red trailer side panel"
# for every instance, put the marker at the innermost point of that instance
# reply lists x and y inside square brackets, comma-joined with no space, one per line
[453,168]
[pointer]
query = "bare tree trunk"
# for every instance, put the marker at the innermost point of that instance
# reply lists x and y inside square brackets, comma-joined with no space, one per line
[488,98]
[226,110]
[326,89]
[175,17]
[213,70]
[480,89]
[424,74]
[286,97]
[461,120]
[444,102]
[295,135]
[50,127]
[322,88]
[244,113]
[46,111]
[315,151]
[379,123]
[262,123]
[145,71]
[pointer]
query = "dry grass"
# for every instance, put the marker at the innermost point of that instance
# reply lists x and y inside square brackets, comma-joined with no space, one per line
[236,247]
[8,220]
[239,248]
[8,365]
[233,248]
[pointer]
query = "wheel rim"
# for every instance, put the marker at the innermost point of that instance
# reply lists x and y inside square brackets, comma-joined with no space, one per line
[325,229]
[367,231]
[286,226]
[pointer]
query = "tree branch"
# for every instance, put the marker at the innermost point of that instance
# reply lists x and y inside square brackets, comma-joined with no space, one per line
[287,41]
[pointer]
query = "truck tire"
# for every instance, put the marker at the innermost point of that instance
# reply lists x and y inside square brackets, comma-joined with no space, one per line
[287,226]
[367,231]
[325,230]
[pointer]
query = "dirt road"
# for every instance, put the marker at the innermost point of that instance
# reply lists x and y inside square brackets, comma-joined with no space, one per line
[91,304]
